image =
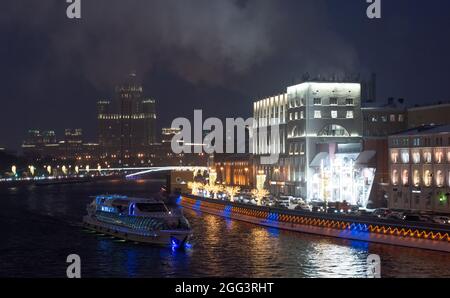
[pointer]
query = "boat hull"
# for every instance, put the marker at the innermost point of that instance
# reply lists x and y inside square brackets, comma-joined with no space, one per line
[168,238]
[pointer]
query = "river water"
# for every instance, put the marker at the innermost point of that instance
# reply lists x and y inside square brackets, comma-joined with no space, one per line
[41,226]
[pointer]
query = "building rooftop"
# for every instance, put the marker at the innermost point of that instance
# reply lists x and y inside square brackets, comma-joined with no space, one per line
[425,130]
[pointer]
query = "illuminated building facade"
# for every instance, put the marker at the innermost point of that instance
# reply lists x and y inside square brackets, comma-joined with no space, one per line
[419,168]
[320,142]
[38,144]
[126,125]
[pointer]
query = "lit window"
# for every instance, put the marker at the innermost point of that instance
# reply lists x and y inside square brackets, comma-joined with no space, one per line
[349,115]
[334,114]
[374,119]
[394,157]
[439,178]
[448,156]
[296,115]
[302,115]
[395,177]
[317,101]
[439,156]
[427,157]
[333,101]
[405,177]
[416,178]
[401,118]
[317,114]
[416,157]
[392,118]
[384,118]
[405,156]
[427,178]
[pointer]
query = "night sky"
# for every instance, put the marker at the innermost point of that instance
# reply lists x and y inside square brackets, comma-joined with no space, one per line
[218,55]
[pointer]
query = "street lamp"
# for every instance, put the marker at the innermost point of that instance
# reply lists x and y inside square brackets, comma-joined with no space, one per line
[32,170]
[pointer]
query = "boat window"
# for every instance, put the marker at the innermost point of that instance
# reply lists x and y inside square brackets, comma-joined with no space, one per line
[144,207]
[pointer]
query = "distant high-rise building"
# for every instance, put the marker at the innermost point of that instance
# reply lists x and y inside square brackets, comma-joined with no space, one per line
[127,125]
[39,143]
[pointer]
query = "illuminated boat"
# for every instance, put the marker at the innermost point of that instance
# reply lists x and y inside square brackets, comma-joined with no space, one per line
[138,220]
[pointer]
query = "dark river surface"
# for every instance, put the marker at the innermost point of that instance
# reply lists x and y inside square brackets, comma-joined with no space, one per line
[41,226]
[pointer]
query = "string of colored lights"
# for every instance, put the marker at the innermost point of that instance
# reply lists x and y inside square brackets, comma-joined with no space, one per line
[228,211]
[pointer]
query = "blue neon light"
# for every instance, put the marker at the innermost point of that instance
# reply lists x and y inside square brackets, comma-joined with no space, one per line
[132,209]
[227,211]
[198,205]
[107,209]
[272,216]
[178,201]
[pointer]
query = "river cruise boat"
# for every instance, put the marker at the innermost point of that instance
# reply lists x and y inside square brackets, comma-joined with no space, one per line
[138,220]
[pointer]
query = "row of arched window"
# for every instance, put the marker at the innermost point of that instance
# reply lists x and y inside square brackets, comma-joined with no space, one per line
[418,178]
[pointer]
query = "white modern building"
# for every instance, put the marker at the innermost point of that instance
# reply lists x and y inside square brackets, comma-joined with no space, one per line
[319,142]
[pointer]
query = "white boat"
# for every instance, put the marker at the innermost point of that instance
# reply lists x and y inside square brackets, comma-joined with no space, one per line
[138,220]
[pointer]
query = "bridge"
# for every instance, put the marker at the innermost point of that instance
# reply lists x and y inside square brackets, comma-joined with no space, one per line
[146,170]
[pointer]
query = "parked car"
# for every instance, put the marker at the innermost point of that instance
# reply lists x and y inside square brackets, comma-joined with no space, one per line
[284,201]
[304,207]
[381,212]
[443,220]
[414,218]
[395,216]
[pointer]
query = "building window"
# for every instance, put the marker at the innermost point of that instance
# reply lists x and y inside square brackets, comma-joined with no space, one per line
[333,131]
[395,177]
[374,119]
[292,103]
[448,156]
[349,115]
[333,101]
[334,114]
[439,156]
[405,178]
[416,178]
[427,157]
[296,115]
[416,157]
[394,157]
[384,118]
[317,114]
[290,116]
[317,101]
[349,102]
[439,178]
[302,115]
[427,178]
[405,156]
[401,118]
[392,118]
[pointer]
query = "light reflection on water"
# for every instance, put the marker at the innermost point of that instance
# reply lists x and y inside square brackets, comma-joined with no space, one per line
[41,226]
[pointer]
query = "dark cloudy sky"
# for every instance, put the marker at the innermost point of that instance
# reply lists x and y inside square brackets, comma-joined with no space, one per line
[218,55]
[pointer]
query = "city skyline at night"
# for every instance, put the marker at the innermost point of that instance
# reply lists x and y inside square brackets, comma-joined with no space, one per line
[181,69]
[208,147]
